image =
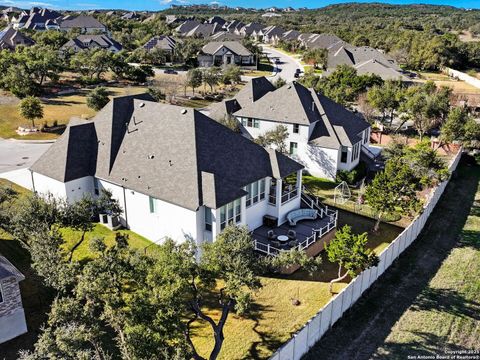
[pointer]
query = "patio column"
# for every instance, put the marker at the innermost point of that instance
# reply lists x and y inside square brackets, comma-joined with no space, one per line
[299,180]
[278,196]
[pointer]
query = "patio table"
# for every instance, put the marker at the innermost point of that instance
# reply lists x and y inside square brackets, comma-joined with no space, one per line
[282,238]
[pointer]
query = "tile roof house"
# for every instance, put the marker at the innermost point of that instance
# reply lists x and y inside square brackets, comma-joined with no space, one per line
[162,42]
[219,53]
[86,42]
[12,315]
[323,135]
[11,38]
[366,60]
[174,171]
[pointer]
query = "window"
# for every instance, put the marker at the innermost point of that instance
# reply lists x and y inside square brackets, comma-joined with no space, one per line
[367,134]
[256,123]
[296,128]
[96,186]
[256,192]
[208,219]
[230,214]
[1,294]
[249,122]
[153,205]
[293,148]
[344,155]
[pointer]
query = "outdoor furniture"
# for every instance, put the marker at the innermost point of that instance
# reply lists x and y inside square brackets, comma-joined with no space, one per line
[292,234]
[270,221]
[271,234]
[293,243]
[282,238]
[295,216]
[276,243]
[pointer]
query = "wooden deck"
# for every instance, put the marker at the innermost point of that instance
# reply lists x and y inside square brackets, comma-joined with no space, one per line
[304,229]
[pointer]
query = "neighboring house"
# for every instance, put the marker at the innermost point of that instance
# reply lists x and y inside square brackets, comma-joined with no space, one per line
[226,36]
[86,24]
[203,31]
[186,26]
[270,15]
[251,92]
[175,172]
[249,29]
[233,26]
[220,53]
[291,35]
[216,20]
[11,38]
[323,135]
[269,34]
[131,16]
[12,315]
[36,19]
[162,42]
[87,42]
[321,41]
[366,60]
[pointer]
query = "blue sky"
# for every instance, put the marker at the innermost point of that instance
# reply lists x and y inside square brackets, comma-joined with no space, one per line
[162,4]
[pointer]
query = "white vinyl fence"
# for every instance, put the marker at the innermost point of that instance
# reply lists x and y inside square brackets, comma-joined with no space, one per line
[316,327]
[462,76]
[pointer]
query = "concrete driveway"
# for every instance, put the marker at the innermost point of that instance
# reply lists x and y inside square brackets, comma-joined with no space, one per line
[16,155]
[287,66]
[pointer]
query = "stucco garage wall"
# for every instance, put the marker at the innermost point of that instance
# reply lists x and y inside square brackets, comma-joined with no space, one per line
[170,220]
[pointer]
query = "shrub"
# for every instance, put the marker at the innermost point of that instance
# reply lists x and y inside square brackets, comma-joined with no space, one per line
[352,176]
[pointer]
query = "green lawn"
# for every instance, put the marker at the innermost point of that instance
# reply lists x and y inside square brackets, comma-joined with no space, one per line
[429,300]
[59,108]
[273,318]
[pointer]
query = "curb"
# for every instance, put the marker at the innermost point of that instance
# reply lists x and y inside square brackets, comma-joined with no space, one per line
[31,141]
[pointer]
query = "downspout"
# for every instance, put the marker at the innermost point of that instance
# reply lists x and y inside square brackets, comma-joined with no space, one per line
[33,182]
[125,210]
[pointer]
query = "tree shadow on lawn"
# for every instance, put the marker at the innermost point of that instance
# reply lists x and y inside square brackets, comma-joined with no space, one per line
[364,328]
[63,102]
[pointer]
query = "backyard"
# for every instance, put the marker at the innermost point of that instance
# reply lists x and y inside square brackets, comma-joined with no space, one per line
[271,322]
[427,303]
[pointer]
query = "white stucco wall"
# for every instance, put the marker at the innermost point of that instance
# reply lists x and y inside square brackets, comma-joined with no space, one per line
[169,220]
[72,191]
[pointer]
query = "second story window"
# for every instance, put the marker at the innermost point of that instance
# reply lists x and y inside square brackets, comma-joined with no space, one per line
[296,128]
[230,214]
[293,148]
[344,155]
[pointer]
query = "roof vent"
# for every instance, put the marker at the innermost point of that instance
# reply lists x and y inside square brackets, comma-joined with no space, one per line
[142,104]
[151,156]
[289,86]
[170,162]
[184,111]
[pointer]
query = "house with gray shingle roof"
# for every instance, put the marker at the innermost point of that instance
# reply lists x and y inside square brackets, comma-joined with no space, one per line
[322,135]
[366,60]
[220,53]
[88,42]
[163,42]
[175,172]
[11,38]
[86,24]
[12,315]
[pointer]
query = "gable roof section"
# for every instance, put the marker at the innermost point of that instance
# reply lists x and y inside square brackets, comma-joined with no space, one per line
[177,155]
[234,46]
[292,103]
[10,36]
[7,269]
[81,21]
[86,42]
[163,42]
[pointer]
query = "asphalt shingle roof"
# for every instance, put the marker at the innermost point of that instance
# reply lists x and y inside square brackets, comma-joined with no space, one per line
[234,46]
[177,155]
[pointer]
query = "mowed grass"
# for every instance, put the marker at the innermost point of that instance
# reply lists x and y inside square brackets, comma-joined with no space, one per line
[57,108]
[274,319]
[458,87]
[446,314]
[428,301]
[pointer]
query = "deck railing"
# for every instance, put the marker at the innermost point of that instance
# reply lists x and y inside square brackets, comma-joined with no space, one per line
[317,234]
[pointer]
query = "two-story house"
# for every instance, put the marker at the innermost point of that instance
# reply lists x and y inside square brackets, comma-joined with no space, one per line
[12,315]
[176,173]
[322,135]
